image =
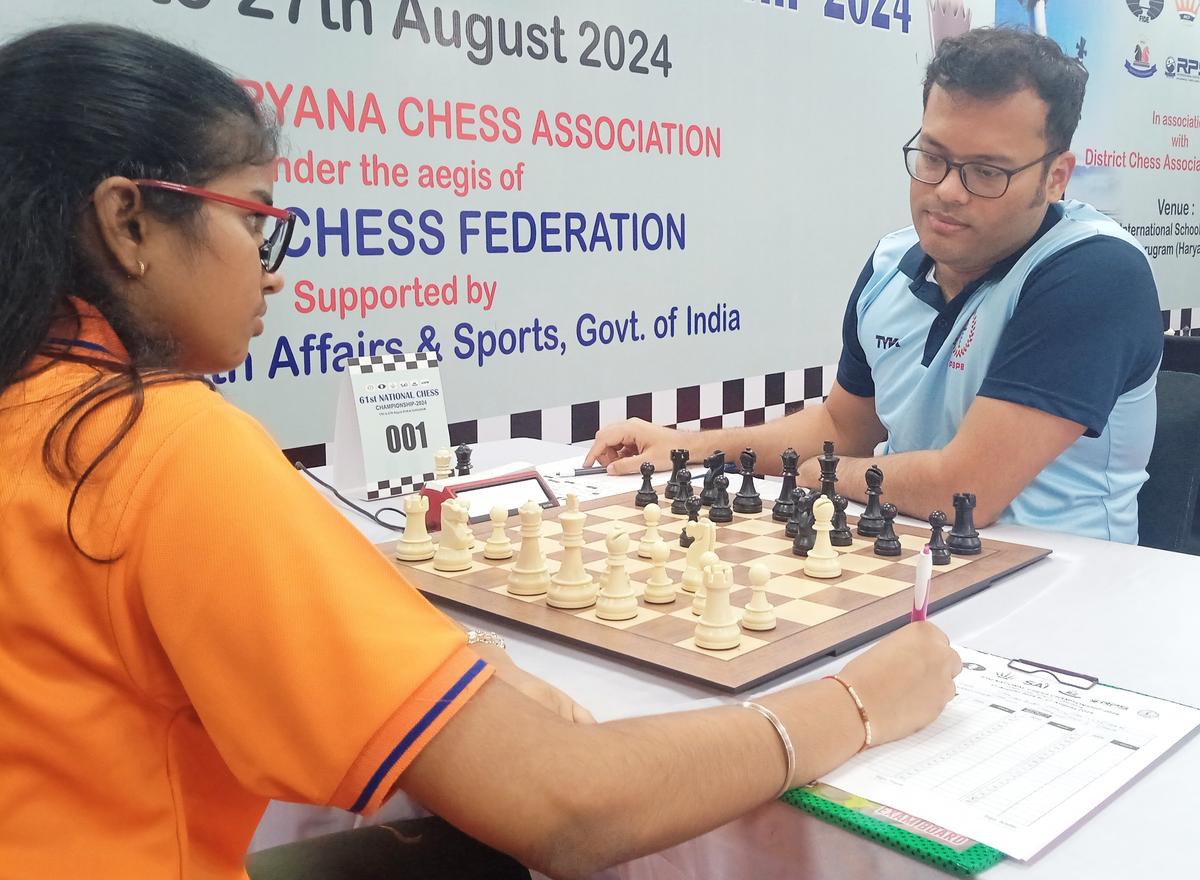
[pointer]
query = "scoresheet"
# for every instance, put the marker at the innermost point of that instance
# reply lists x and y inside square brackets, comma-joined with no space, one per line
[1017,757]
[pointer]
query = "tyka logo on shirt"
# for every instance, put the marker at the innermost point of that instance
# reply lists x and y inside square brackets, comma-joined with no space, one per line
[965,337]
[886,342]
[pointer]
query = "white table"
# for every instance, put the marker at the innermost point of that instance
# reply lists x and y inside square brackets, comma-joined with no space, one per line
[1125,614]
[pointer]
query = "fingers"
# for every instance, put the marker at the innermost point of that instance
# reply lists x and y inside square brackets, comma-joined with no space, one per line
[610,440]
[624,466]
[582,715]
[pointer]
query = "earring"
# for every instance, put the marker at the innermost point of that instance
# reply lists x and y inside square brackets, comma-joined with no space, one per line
[140,272]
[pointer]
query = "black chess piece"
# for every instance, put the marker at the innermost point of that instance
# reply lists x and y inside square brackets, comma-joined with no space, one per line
[828,462]
[887,544]
[870,524]
[806,535]
[463,456]
[792,524]
[784,507]
[679,460]
[937,541]
[964,539]
[683,491]
[694,505]
[721,512]
[748,500]
[715,464]
[646,494]
[839,535]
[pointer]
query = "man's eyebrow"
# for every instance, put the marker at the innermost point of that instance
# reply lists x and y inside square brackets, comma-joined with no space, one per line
[978,157]
[263,196]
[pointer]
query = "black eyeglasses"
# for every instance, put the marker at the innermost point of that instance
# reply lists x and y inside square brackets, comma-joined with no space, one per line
[978,178]
[274,247]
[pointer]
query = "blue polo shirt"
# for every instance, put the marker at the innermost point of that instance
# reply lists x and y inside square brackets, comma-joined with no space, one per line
[1069,325]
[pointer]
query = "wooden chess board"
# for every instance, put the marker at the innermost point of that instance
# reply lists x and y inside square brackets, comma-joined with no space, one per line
[817,617]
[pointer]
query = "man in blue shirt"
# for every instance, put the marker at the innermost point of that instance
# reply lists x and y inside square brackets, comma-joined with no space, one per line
[1006,344]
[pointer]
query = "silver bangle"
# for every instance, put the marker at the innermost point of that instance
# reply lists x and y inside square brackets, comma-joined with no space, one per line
[788,749]
[484,637]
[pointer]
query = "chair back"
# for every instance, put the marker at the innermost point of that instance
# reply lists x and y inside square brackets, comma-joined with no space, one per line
[1167,501]
[1181,354]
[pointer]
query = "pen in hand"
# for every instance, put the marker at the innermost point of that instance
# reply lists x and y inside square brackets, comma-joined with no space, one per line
[921,588]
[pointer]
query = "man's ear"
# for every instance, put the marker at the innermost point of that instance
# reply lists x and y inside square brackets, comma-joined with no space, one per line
[1059,176]
[120,222]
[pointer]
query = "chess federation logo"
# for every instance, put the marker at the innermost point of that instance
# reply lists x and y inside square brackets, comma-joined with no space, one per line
[1188,9]
[1146,10]
[1140,65]
[1182,69]
[962,345]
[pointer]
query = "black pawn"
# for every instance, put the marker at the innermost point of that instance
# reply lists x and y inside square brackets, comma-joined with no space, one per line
[683,491]
[721,512]
[646,494]
[715,464]
[463,456]
[806,535]
[839,535]
[784,506]
[937,541]
[748,500]
[870,524]
[829,463]
[887,544]
[679,459]
[693,508]
[797,503]
[964,540]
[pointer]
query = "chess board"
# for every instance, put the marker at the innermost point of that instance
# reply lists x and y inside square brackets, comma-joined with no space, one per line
[816,617]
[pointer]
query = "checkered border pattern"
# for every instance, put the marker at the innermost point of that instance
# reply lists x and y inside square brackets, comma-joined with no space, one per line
[1178,322]
[391,363]
[391,488]
[727,404]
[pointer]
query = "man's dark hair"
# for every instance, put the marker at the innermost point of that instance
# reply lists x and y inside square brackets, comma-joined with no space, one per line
[996,62]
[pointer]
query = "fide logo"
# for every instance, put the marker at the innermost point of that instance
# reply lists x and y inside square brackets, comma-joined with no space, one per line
[1140,65]
[1146,10]
[1188,9]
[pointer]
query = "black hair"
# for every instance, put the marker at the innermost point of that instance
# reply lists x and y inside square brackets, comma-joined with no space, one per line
[997,62]
[82,103]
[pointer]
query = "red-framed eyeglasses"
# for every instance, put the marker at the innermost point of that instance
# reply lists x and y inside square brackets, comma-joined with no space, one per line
[274,247]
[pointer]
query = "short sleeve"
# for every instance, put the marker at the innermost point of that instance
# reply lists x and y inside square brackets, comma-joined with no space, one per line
[853,372]
[317,671]
[1086,329]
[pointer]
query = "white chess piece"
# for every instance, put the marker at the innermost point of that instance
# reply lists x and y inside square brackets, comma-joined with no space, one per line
[572,586]
[822,560]
[703,534]
[498,545]
[415,544]
[759,614]
[708,560]
[718,627]
[660,589]
[457,541]
[651,515]
[617,600]
[530,576]
[442,469]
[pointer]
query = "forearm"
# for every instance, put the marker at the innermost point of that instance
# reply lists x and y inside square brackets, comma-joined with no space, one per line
[569,799]
[918,483]
[804,431]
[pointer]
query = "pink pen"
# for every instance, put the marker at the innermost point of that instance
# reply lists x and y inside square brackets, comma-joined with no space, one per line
[921,588]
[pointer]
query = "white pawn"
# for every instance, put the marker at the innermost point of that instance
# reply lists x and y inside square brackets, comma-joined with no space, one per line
[415,544]
[707,560]
[530,576]
[651,515]
[457,541]
[442,469]
[572,586]
[822,560]
[660,589]
[759,614]
[718,627]
[498,545]
[617,600]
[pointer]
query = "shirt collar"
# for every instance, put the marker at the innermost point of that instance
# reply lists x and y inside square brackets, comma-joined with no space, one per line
[94,336]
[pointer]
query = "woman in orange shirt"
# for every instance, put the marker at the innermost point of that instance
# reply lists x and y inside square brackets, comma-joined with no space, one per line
[187,629]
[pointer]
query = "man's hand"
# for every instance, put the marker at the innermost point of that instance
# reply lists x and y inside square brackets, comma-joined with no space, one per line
[531,686]
[623,446]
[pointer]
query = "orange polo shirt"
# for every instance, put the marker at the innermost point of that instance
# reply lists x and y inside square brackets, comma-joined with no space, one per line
[247,643]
